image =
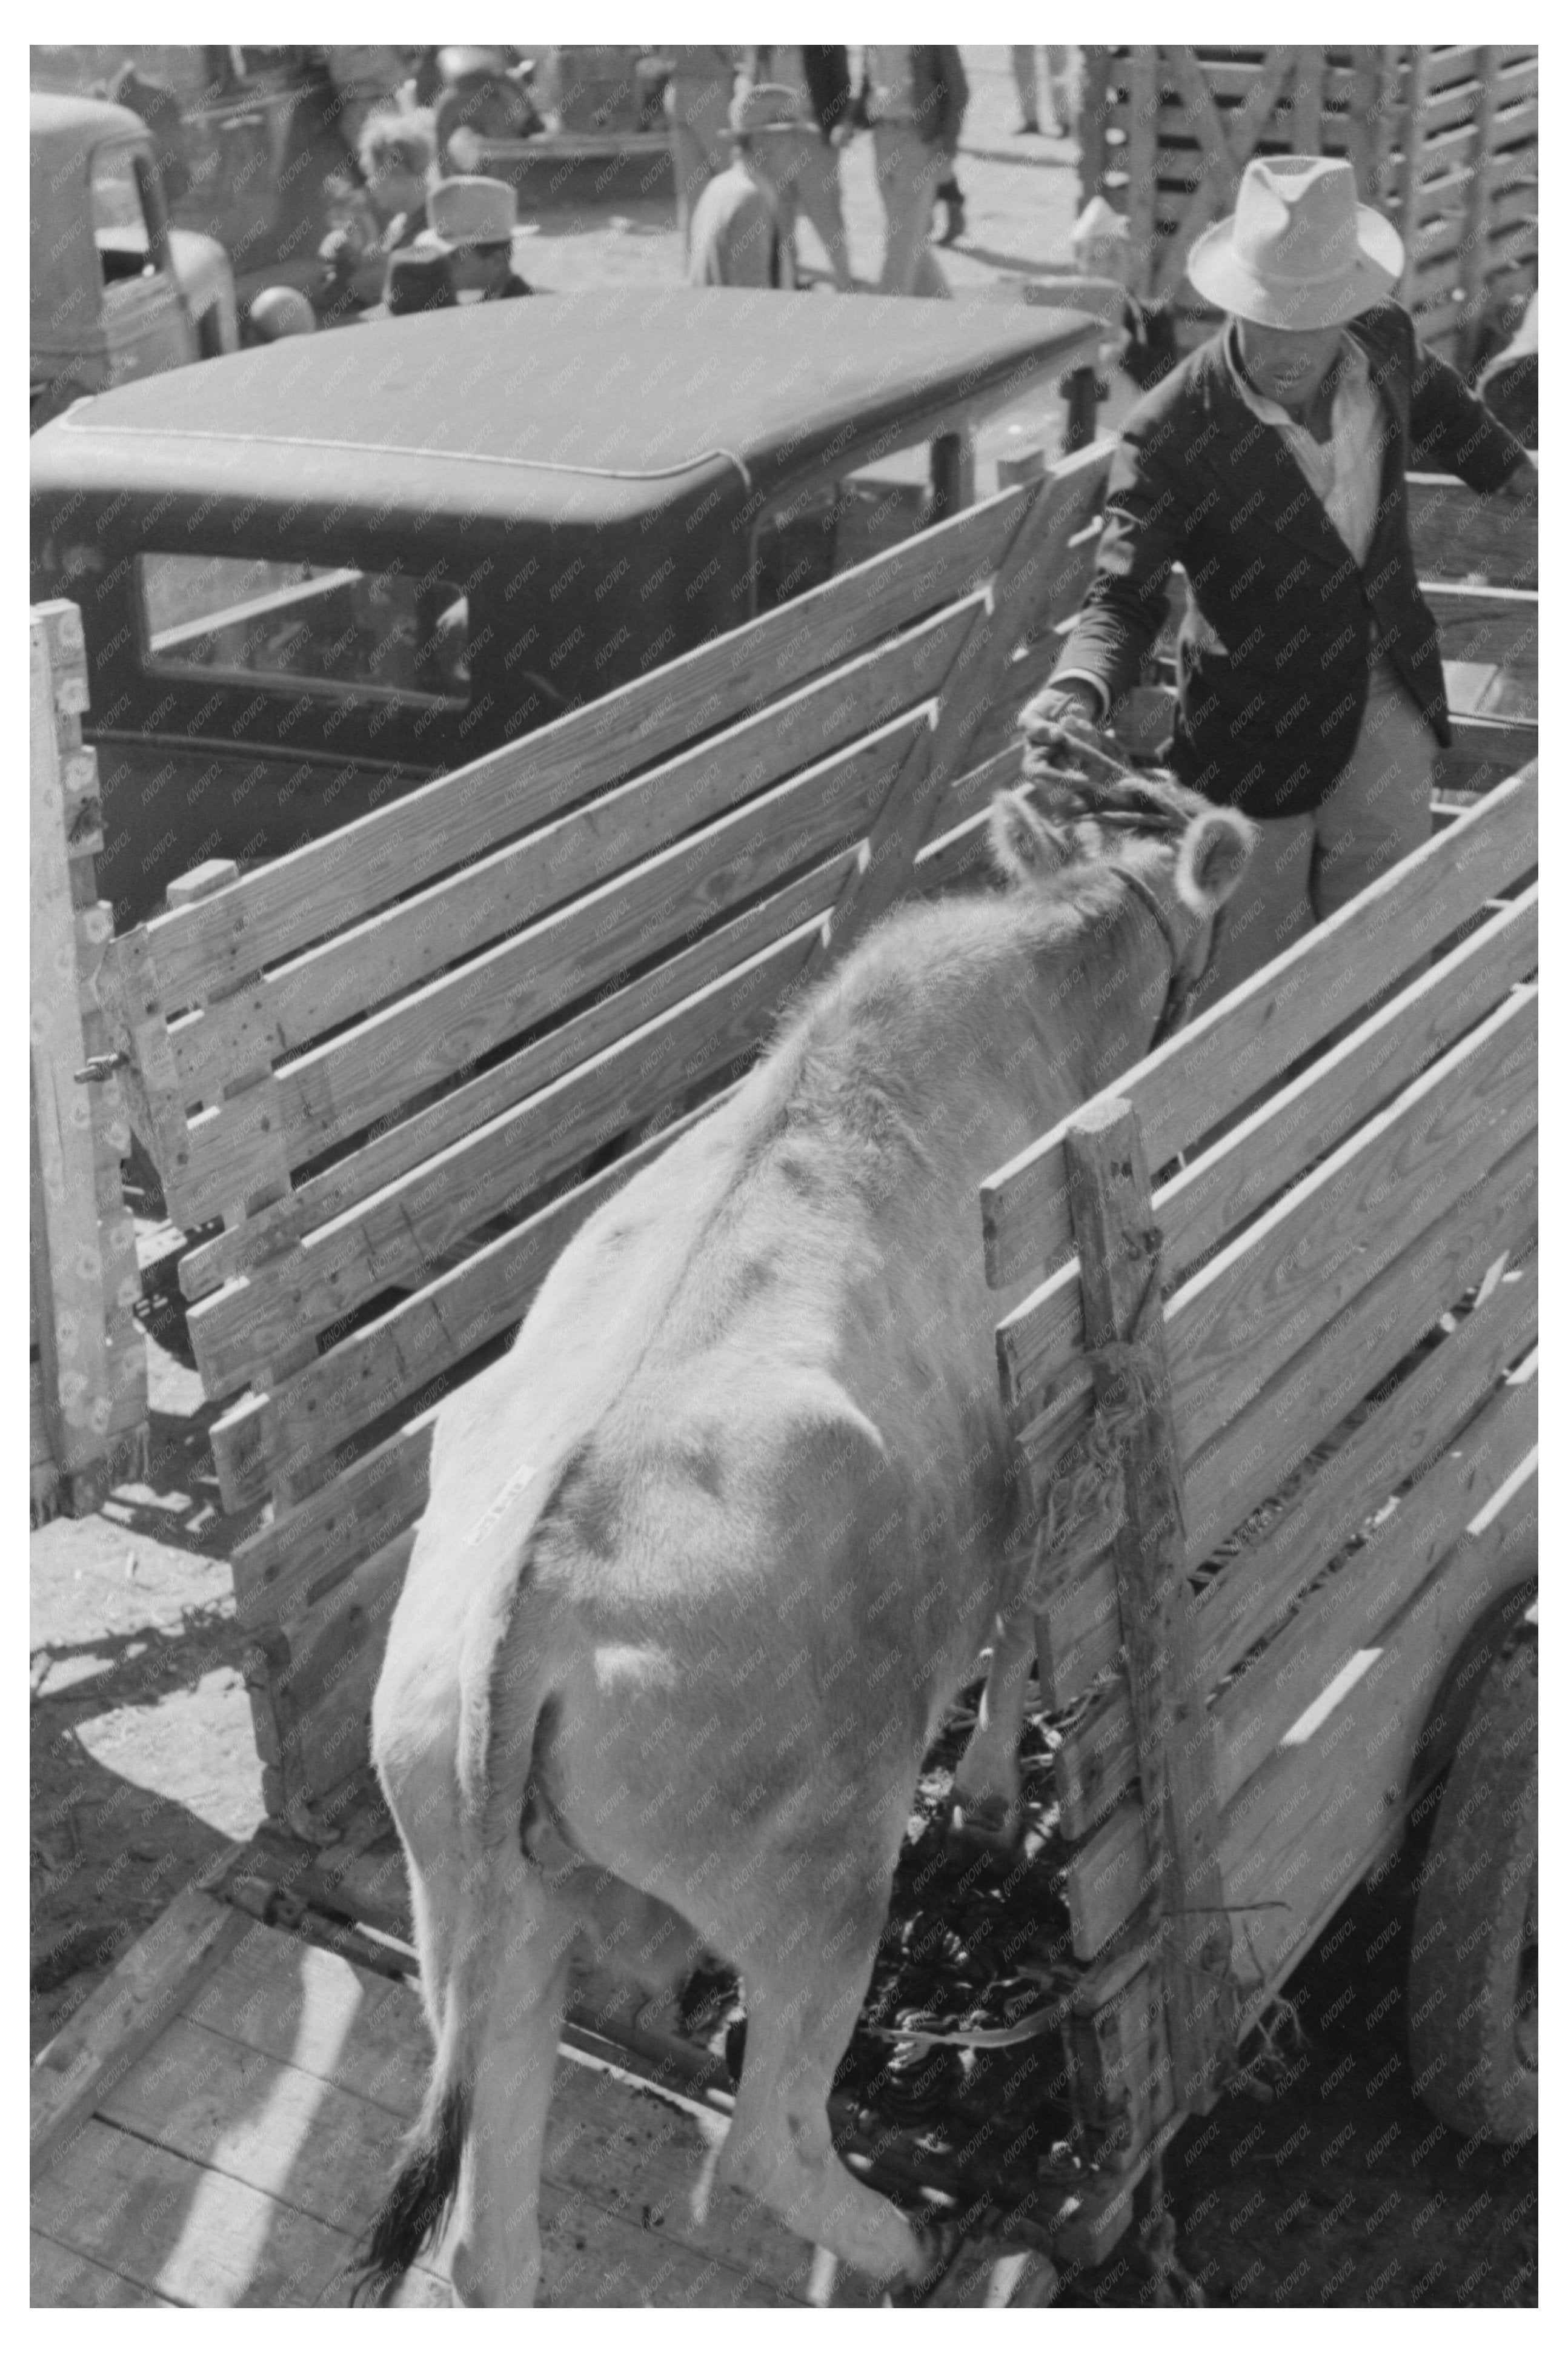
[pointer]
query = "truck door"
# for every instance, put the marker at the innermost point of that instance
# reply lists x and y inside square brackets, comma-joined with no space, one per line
[146,324]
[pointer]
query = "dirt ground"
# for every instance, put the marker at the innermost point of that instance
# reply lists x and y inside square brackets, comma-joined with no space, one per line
[1338,2190]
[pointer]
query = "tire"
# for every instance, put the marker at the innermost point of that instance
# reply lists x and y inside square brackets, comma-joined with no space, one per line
[1472,1996]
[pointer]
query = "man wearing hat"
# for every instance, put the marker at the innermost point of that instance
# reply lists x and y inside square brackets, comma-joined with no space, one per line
[1271,466]
[739,225]
[470,222]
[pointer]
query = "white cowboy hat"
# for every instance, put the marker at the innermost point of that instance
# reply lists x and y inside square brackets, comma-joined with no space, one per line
[468,210]
[1298,251]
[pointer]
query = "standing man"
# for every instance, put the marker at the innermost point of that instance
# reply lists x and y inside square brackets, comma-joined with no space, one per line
[914,101]
[1271,464]
[1058,89]
[820,81]
[696,106]
[739,226]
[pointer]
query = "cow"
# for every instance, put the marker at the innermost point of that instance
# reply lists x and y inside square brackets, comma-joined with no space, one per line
[708,1553]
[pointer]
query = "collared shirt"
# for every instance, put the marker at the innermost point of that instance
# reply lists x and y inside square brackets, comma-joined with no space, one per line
[1345,472]
[736,238]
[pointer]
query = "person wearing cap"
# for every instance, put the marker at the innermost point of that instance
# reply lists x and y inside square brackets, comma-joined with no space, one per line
[277,311]
[471,221]
[739,225]
[1271,464]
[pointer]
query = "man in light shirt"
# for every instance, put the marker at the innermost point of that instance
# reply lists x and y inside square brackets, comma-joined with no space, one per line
[1271,464]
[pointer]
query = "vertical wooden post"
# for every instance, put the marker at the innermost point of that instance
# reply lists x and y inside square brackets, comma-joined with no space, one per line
[1142,164]
[1307,107]
[1412,141]
[1093,107]
[1118,1257]
[1478,206]
[92,1357]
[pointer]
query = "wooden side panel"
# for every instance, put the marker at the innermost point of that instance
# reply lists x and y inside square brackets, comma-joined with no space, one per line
[1251,1037]
[321,890]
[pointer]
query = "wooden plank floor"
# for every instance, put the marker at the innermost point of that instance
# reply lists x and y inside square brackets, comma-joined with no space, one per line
[238,2161]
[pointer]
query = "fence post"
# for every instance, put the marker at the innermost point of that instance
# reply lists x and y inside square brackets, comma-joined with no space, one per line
[91,1373]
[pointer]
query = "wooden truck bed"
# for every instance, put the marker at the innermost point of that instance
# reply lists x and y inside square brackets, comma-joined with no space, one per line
[320,1067]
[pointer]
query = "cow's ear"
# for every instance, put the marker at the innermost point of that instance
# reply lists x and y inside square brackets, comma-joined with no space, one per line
[1212,856]
[1022,844]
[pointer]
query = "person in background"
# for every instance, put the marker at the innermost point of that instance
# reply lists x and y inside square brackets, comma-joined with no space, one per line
[471,220]
[739,225]
[397,153]
[909,96]
[949,195]
[1271,466]
[482,96]
[697,107]
[159,109]
[1059,87]
[275,312]
[819,78]
[418,279]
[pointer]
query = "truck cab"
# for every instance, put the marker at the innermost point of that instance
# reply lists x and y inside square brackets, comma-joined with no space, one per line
[313,576]
[115,292]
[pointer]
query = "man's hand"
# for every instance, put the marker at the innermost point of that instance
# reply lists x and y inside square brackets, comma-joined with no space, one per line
[1059,711]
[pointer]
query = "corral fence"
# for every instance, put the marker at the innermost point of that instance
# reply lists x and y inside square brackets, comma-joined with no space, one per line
[1444,140]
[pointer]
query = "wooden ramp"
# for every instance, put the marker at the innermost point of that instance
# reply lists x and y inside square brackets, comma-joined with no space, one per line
[217,2126]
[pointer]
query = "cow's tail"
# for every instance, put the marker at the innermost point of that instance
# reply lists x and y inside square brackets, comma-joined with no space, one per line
[503,1700]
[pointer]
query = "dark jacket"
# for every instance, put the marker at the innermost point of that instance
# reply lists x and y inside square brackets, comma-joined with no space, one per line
[1268,724]
[828,82]
[941,94]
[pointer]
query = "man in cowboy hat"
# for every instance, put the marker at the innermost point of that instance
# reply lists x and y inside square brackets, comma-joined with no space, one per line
[471,221]
[739,225]
[1271,466]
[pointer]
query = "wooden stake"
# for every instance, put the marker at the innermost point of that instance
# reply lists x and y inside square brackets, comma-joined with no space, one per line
[1119,1252]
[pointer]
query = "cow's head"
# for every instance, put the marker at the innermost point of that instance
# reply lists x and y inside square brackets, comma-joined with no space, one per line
[1182,855]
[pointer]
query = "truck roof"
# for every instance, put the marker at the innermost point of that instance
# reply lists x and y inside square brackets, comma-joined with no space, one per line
[599,405]
[62,127]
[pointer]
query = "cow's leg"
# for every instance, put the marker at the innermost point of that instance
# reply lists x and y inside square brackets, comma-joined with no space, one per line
[985,1788]
[496,2246]
[803,1997]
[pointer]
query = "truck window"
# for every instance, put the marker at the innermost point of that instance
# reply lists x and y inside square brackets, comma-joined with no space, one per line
[386,635]
[119,226]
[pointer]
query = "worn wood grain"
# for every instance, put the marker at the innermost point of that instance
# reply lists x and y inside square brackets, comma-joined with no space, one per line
[118,2020]
[319,890]
[395,1235]
[1119,1254]
[59,2280]
[1459,533]
[1237,1047]
[1295,1411]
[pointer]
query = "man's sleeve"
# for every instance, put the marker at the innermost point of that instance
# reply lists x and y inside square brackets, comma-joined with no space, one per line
[1451,431]
[1143,535]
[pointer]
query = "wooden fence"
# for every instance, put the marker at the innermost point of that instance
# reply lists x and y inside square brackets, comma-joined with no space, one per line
[1342,1376]
[86,1374]
[1444,140]
[387,1073]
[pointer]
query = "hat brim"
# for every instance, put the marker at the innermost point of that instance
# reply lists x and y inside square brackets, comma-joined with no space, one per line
[1218,272]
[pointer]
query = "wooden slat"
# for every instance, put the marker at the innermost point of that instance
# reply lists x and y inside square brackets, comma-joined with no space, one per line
[390,1238]
[1227,1183]
[376,1485]
[1105,1878]
[1349,1612]
[1307,1398]
[115,2024]
[318,890]
[57,2279]
[1228,1053]
[318,2013]
[405,945]
[1253,1593]
[1459,533]
[365,1506]
[1482,624]
[1284,1276]
[1484,753]
[1324,1812]
[415,1046]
